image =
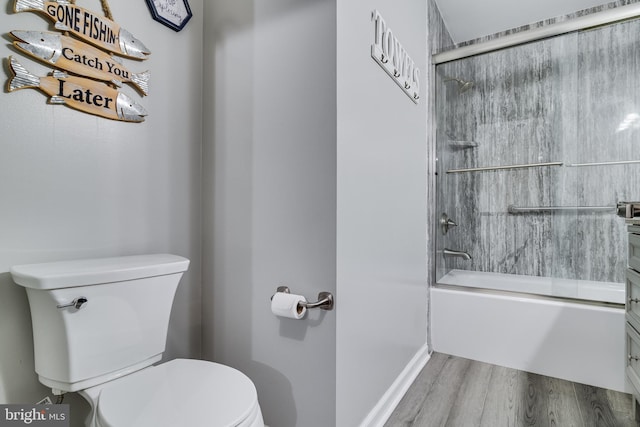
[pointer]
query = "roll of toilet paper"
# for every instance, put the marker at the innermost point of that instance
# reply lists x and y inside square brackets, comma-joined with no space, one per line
[286,305]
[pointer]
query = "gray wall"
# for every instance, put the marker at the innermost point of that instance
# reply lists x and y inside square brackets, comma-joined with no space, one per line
[302,189]
[75,186]
[269,186]
[381,193]
[561,99]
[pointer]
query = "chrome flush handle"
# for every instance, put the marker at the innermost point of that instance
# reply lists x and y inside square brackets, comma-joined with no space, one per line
[76,303]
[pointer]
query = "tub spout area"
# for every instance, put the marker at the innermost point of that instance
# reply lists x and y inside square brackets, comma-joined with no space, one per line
[449,253]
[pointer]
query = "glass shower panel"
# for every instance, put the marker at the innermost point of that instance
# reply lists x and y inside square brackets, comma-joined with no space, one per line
[536,144]
[607,152]
[503,119]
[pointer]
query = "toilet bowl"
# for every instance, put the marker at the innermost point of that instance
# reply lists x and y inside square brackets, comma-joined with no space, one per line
[181,392]
[99,329]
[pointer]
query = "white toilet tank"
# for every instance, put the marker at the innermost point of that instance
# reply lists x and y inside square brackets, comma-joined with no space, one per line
[122,326]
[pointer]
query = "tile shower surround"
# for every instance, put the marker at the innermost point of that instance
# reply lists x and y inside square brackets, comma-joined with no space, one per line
[561,99]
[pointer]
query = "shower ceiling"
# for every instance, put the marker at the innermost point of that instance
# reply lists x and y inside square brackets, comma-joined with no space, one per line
[470,19]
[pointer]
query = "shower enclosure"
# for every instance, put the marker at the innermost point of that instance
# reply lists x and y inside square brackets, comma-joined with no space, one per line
[536,144]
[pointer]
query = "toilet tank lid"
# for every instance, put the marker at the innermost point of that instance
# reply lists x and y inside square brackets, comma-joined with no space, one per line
[85,272]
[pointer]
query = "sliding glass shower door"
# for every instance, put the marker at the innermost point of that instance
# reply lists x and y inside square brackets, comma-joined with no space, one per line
[535,146]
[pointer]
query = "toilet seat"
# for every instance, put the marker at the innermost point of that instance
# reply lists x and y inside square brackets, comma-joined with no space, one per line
[182,392]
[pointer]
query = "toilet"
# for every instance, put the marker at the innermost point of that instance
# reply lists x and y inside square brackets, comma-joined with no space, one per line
[99,329]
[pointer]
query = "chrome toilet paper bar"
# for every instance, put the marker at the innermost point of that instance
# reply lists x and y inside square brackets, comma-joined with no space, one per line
[325,299]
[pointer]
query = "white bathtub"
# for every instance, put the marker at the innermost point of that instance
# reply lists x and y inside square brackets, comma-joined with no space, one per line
[566,288]
[581,342]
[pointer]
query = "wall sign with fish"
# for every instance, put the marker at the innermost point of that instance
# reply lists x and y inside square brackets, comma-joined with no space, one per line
[83,23]
[90,70]
[79,58]
[80,93]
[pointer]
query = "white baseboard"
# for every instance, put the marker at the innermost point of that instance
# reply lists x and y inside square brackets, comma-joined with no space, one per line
[387,404]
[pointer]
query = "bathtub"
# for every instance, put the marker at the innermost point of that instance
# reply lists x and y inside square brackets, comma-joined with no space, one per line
[507,320]
[607,292]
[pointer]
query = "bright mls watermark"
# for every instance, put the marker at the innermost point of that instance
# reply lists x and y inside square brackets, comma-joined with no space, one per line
[34,415]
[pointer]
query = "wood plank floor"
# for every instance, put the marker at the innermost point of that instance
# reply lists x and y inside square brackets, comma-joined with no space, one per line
[453,391]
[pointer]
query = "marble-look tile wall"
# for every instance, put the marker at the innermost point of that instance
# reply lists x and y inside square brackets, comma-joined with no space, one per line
[573,99]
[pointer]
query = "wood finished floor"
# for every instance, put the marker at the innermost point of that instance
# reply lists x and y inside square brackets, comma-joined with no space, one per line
[453,391]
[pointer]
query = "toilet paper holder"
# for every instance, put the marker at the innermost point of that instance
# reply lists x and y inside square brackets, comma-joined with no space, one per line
[325,299]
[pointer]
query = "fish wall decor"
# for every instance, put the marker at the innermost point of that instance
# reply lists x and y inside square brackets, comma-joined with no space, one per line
[95,29]
[80,93]
[77,57]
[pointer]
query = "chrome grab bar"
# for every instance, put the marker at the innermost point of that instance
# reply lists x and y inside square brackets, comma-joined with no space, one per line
[537,165]
[521,209]
[494,168]
[619,162]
